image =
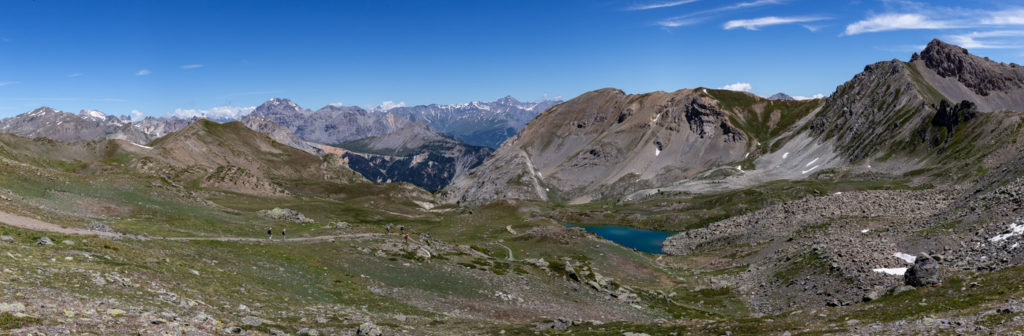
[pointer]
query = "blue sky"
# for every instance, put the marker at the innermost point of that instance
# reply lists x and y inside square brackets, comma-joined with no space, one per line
[158,57]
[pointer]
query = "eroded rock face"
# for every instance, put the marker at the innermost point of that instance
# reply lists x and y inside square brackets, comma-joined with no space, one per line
[924,272]
[979,74]
[949,115]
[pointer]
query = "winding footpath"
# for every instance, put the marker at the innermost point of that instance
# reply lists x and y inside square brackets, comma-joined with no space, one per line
[38,225]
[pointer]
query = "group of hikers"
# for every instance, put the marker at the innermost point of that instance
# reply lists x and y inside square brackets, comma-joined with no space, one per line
[387,229]
[270,233]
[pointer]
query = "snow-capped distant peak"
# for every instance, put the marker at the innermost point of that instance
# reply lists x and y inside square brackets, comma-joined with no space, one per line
[388,105]
[93,114]
[478,105]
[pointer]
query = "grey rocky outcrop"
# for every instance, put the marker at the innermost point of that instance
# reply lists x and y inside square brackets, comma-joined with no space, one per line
[924,272]
[979,74]
[285,214]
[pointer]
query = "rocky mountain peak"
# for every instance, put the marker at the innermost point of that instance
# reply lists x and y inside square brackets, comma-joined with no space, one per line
[781,96]
[507,100]
[279,105]
[94,114]
[979,74]
[44,110]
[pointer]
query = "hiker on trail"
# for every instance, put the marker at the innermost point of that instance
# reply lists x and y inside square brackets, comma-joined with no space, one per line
[402,228]
[270,233]
[387,228]
[406,239]
[282,233]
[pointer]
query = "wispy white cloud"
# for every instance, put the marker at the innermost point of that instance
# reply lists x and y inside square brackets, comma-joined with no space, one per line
[191,66]
[914,15]
[143,72]
[8,83]
[894,21]
[657,5]
[754,24]
[136,115]
[387,105]
[746,87]
[679,22]
[1004,17]
[700,16]
[214,113]
[75,75]
[811,97]
[811,28]
[988,40]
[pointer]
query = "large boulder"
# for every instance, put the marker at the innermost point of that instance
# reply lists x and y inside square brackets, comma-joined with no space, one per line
[369,329]
[924,272]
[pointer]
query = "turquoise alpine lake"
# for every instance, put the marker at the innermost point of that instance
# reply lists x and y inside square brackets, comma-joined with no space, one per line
[637,239]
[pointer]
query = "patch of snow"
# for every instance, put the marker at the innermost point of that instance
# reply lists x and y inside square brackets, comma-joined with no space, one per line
[785,155]
[657,151]
[740,168]
[1015,230]
[865,231]
[94,114]
[809,170]
[655,118]
[838,193]
[705,91]
[892,271]
[812,162]
[142,146]
[905,257]
[1014,245]
[746,155]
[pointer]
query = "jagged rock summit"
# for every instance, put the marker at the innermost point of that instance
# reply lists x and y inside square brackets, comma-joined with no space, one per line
[981,75]
[959,75]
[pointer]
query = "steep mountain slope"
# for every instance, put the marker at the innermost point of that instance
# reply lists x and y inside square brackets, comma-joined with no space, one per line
[477,123]
[279,133]
[413,154]
[233,157]
[905,113]
[606,143]
[58,125]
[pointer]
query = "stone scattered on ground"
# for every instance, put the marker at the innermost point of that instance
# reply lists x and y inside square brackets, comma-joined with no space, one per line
[99,226]
[369,329]
[44,241]
[285,214]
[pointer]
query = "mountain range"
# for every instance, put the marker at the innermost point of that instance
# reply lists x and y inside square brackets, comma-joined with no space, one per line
[432,165]
[893,206]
